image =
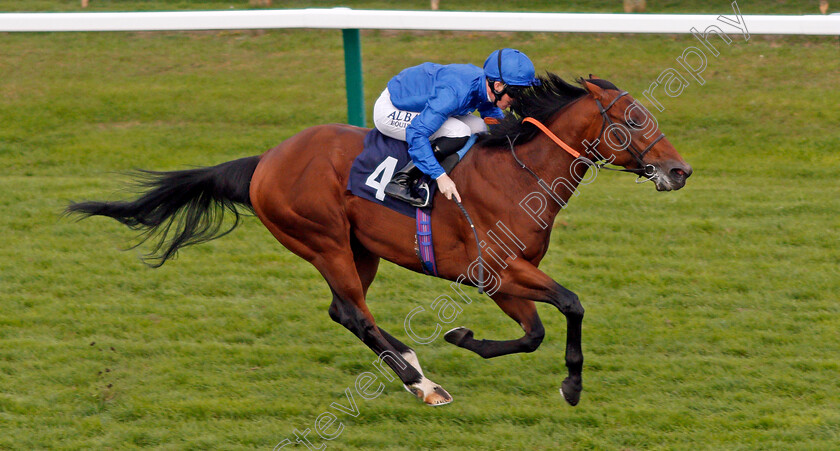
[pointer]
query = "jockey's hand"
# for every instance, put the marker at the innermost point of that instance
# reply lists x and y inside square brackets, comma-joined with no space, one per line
[447,187]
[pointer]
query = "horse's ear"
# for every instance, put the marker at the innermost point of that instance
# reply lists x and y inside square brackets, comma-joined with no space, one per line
[594,90]
[592,76]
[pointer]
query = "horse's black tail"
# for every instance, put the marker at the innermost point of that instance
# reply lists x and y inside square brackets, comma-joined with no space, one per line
[188,204]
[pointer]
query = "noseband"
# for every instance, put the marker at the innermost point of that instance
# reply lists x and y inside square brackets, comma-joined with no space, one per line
[644,170]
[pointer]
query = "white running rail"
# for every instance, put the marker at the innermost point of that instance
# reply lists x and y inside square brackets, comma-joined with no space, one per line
[345,18]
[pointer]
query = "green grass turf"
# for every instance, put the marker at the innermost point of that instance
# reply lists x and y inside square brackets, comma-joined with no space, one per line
[712,312]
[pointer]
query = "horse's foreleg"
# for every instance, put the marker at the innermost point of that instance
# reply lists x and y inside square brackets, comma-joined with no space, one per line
[523,311]
[348,307]
[569,304]
[360,322]
[408,354]
[367,264]
[400,358]
[522,279]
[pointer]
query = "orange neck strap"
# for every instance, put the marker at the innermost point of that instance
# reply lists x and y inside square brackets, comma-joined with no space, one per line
[553,137]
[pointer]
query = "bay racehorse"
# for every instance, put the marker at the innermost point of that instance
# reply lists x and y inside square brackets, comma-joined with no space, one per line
[299,192]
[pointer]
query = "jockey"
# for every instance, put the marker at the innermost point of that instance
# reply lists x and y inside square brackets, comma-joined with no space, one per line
[433,102]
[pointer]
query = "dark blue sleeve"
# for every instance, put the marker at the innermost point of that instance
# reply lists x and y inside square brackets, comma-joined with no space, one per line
[489,110]
[438,109]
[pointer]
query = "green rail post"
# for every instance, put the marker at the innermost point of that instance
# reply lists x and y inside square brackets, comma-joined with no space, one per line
[353,77]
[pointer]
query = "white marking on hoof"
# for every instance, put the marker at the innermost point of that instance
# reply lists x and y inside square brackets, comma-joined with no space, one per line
[411,358]
[431,393]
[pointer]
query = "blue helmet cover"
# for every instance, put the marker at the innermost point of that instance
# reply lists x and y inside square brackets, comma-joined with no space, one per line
[517,68]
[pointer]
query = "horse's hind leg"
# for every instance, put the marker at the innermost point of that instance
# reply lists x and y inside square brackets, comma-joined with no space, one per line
[523,311]
[366,265]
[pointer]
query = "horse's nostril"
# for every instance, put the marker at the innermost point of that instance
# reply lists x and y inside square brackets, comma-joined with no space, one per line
[678,173]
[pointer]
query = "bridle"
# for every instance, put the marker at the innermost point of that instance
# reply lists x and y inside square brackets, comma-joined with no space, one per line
[644,171]
[648,171]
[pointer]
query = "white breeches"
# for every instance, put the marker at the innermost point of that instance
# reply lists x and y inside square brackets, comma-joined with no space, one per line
[392,121]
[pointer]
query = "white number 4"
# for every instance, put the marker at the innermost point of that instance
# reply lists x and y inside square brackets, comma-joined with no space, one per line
[386,168]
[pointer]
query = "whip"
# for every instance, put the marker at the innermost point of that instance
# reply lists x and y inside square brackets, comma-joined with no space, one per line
[477,246]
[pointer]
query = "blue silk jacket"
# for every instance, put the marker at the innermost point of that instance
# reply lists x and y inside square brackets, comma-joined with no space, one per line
[438,92]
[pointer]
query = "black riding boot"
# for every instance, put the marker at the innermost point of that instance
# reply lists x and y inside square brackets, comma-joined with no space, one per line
[402,183]
[444,146]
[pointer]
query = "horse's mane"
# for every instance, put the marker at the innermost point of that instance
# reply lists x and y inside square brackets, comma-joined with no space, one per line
[539,102]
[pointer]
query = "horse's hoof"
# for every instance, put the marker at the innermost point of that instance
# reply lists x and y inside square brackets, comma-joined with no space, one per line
[458,335]
[431,393]
[571,391]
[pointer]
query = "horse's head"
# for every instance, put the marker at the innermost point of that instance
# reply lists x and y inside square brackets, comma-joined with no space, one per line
[629,137]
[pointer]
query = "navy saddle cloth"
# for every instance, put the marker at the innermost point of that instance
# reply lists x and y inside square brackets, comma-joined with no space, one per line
[381,158]
[373,168]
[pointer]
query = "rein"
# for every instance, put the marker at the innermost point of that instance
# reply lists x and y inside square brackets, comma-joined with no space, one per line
[553,137]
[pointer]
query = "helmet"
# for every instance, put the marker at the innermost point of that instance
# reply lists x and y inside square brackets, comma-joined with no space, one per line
[511,67]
